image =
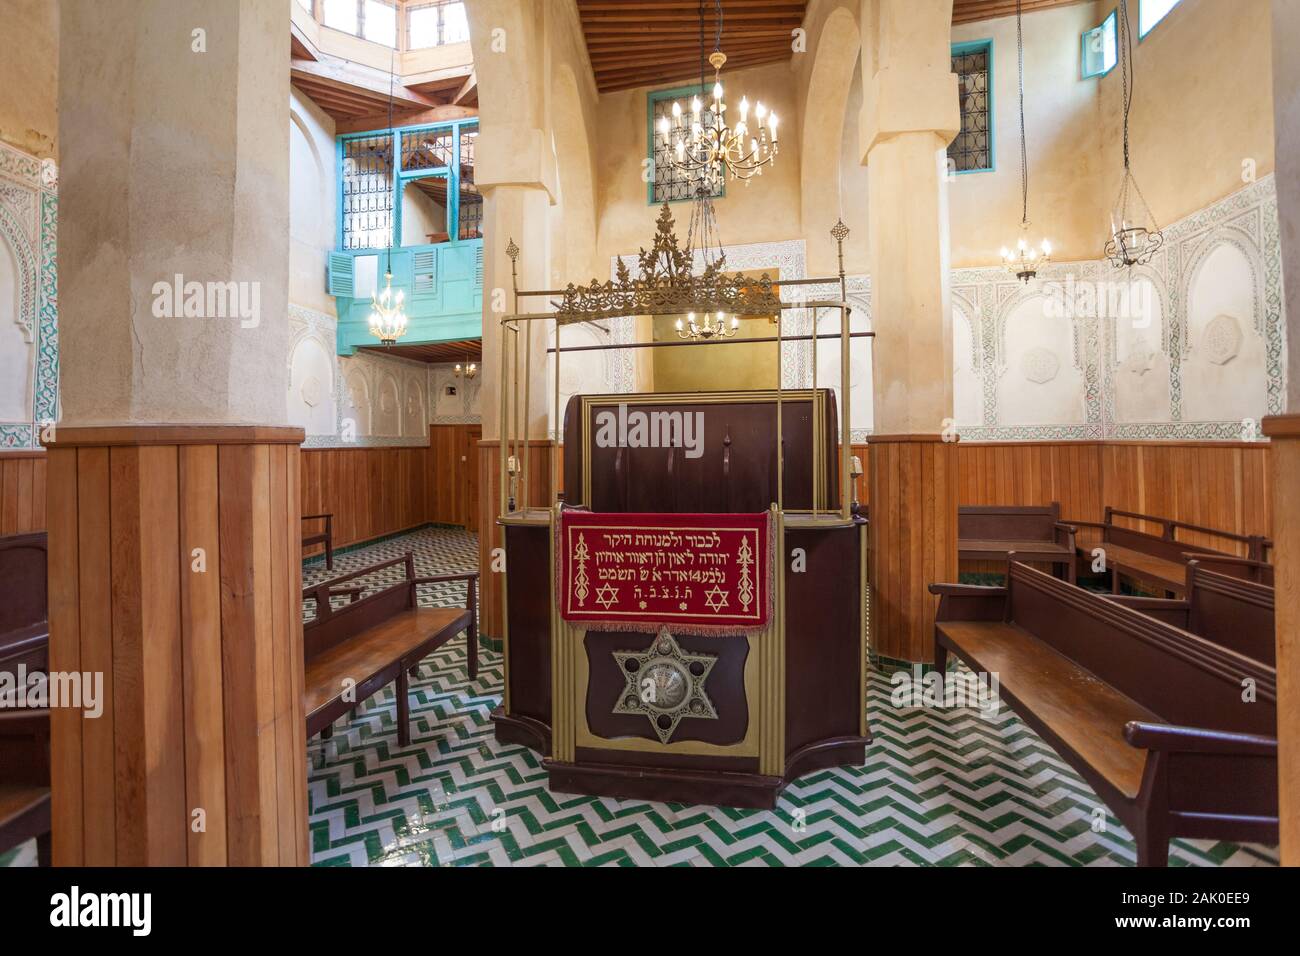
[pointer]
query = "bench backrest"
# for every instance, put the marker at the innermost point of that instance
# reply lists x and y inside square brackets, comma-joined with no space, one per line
[1010,523]
[334,625]
[1167,544]
[1182,678]
[23,598]
[1230,611]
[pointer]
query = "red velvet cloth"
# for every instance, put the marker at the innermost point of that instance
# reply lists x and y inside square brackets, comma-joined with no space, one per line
[694,573]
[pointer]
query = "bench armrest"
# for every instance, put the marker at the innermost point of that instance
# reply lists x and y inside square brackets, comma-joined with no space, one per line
[313,517]
[1171,738]
[967,590]
[969,602]
[1064,534]
[453,576]
[1086,524]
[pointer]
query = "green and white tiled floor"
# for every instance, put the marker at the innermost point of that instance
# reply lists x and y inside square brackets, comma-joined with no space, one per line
[937,788]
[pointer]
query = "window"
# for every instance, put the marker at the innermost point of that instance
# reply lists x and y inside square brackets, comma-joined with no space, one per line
[668,184]
[341,15]
[436,24]
[379,22]
[305,4]
[1100,49]
[375,20]
[1151,12]
[972,150]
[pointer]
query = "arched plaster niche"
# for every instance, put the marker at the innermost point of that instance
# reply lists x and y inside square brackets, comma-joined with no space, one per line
[414,409]
[967,387]
[861,407]
[311,388]
[580,372]
[1039,384]
[822,133]
[387,415]
[15,349]
[356,402]
[311,209]
[1224,371]
[1141,364]
[573,248]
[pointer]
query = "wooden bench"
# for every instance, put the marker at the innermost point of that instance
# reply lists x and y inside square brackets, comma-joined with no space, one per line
[24,615]
[325,537]
[371,641]
[25,780]
[1230,611]
[1034,533]
[1150,715]
[1157,559]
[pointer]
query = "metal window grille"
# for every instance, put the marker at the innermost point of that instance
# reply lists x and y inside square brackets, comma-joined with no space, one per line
[973,147]
[367,192]
[668,184]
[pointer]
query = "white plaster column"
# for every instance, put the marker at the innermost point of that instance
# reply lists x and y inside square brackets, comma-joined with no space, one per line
[174,151]
[1284,430]
[909,115]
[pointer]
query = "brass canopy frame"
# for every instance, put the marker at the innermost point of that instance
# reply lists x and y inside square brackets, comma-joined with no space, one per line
[665,286]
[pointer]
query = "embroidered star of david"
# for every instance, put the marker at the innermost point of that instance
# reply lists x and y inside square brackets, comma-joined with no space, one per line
[715,598]
[607,596]
[666,684]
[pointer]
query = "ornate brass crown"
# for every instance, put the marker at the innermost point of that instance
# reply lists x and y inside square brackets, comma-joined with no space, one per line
[667,286]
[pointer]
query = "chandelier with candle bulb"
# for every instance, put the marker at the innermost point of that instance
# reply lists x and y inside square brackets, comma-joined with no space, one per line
[702,143]
[710,326]
[1024,258]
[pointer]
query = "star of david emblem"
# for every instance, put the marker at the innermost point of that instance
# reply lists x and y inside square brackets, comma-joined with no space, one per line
[607,596]
[715,598]
[666,684]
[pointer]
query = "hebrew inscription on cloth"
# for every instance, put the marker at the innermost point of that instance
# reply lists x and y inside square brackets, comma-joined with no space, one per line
[698,573]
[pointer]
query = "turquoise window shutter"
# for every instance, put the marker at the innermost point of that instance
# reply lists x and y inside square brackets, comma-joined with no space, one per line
[339,274]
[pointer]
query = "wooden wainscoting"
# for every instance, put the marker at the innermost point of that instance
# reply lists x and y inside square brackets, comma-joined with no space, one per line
[1216,484]
[22,491]
[371,492]
[378,491]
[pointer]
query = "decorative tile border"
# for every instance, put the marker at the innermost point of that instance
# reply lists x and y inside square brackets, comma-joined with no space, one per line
[28,225]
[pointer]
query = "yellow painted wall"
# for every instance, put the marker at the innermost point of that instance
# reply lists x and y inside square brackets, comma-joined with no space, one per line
[1062,133]
[29,73]
[1202,105]
[765,211]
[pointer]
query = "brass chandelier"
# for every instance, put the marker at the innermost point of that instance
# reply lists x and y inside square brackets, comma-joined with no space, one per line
[710,326]
[1023,259]
[702,143]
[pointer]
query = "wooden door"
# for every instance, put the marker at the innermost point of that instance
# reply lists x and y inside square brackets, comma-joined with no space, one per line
[467,467]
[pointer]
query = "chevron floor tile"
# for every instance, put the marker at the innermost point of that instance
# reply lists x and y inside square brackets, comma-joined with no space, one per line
[939,787]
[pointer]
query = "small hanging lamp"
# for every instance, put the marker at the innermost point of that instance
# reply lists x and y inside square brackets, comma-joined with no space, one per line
[387,320]
[1023,259]
[1134,234]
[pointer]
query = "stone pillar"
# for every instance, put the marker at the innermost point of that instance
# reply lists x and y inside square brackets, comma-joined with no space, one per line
[909,115]
[1284,430]
[516,173]
[173,481]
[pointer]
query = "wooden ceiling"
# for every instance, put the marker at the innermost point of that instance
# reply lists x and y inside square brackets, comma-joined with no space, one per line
[657,41]
[638,44]
[438,352]
[356,96]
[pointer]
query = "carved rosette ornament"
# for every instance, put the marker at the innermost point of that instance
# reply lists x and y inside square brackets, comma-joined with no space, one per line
[666,684]
[667,286]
